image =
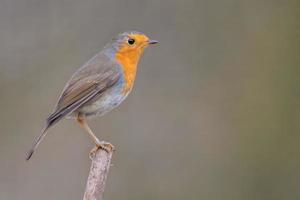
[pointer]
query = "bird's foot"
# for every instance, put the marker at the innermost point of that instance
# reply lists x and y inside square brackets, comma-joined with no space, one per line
[106,146]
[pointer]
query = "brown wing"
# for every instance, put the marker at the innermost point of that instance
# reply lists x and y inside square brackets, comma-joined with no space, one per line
[95,77]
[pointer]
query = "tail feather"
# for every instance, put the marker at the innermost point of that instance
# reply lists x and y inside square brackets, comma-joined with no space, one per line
[37,142]
[53,119]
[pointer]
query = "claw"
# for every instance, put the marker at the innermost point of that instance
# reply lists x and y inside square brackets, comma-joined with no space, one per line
[106,146]
[93,152]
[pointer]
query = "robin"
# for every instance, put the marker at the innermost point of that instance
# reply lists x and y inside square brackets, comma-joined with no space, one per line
[99,85]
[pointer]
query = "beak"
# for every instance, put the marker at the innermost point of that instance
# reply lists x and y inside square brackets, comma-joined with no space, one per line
[152,42]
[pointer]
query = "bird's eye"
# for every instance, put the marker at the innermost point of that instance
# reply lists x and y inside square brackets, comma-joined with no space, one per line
[131,41]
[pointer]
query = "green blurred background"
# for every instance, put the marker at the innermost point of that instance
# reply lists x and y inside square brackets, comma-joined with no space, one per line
[214,114]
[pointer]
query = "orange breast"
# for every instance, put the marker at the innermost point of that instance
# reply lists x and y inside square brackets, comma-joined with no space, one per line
[128,61]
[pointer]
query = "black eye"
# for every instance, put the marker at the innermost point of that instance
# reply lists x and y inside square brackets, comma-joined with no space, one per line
[131,41]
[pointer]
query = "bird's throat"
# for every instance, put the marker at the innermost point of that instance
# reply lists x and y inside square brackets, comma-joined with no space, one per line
[129,61]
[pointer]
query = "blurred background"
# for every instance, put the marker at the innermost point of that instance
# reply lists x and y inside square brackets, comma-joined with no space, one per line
[214,113]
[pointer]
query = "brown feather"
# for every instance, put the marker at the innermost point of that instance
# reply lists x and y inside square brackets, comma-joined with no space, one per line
[88,82]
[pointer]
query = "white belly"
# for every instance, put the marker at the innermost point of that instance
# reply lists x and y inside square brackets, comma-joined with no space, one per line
[105,104]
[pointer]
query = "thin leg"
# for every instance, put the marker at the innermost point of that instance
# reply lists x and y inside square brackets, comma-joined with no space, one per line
[103,145]
[82,122]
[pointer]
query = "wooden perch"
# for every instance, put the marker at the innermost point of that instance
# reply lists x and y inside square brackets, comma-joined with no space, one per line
[101,159]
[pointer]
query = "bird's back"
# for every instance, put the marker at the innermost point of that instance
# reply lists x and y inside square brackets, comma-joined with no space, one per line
[99,74]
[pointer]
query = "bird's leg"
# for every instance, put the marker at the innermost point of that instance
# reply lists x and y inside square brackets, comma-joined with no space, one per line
[103,145]
[82,122]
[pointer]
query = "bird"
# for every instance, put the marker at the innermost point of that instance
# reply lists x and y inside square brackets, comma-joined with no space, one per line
[100,85]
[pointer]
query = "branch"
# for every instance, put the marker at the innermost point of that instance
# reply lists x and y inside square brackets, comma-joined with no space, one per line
[101,159]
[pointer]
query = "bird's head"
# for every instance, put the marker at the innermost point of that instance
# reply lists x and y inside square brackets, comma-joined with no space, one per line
[129,46]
